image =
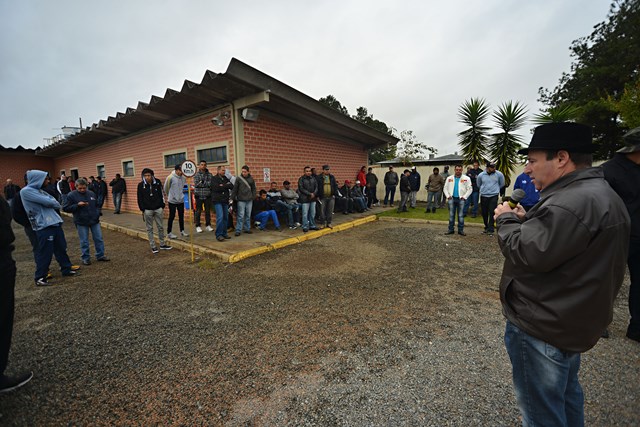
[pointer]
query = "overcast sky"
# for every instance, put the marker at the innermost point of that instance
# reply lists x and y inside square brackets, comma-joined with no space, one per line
[410,63]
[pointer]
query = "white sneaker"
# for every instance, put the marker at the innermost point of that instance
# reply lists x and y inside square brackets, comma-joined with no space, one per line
[172,236]
[257,224]
[209,228]
[297,224]
[198,230]
[184,233]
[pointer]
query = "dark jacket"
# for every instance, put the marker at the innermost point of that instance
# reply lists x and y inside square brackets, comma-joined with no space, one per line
[95,187]
[260,205]
[624,177]
[473,174]
[414,181]
[10,191]
[307,185]
[244,189]
[6,232]
[118,185]
[150,196]
[83,215]
[372,180]
[565,262]
[220,187]
[64,186]
[103,187]
[405,185]
[332,182]
[391,178]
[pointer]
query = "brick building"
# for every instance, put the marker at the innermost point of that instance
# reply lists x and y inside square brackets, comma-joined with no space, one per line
[14,162]
[240,117]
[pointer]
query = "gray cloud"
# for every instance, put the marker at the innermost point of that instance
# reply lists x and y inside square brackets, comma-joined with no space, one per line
[411,63]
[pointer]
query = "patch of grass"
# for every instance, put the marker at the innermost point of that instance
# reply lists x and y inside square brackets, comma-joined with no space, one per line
[208,263]
[419,213]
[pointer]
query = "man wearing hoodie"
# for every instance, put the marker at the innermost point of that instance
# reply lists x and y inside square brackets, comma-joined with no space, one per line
[202,195]
[41,209]
[220,186]
[174,189]
[151,203]
[83,204]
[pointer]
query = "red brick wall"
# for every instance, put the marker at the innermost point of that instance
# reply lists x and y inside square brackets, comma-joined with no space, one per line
[14,166]
[269,143]
[147,150]
[286,149]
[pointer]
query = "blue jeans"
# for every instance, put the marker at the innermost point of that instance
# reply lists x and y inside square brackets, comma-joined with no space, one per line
[244,215]
[545,379]
[222,218]
[472,199]
[389,193]
[263,218]
[290,208]
[433,199]
[51,242]
[456,204]
[117,201]
[98,243]
[308,215]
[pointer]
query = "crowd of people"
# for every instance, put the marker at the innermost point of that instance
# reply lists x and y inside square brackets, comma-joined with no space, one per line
[567,242]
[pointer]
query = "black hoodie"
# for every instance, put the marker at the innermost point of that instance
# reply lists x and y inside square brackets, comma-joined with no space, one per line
[150,196]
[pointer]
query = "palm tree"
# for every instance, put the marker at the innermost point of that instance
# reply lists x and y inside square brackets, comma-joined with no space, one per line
[473,140]
[559,114]
[505,145]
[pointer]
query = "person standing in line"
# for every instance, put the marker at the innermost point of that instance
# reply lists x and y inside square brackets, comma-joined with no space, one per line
[523,182]
[445,174]
[414,181]
[623,175]
[151,204]
[372,183]
[327,191]
[220,187]
[362,176]
[243,193]
[42,210]
[564,265]
[475,196]
[457,189]
[308,189]
[405,190]
[104,190]
[174,189]
[202,196]
[64,188]
[489,183]
[391,181]
[7,301]
[118,188]
[83,204]
[434,187]
[10,191]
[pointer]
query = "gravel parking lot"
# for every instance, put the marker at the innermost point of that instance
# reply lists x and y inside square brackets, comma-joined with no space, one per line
[384,324]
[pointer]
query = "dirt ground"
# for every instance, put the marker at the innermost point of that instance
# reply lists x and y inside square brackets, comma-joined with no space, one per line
[384,324]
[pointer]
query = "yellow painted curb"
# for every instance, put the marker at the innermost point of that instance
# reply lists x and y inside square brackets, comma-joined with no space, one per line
[239,256]
[342,227]
[285,242]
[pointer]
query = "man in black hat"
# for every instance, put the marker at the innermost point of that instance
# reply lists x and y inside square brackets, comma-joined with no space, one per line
[327,190]
[151,204]
[564,264]
[623,175]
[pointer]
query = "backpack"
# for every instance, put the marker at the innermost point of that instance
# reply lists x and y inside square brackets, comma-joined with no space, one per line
[18,212]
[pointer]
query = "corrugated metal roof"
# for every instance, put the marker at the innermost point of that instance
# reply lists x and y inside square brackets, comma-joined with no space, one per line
[18,149]
[216,90]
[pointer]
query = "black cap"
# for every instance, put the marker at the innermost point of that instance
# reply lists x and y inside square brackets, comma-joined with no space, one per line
[178,167]
[286,183]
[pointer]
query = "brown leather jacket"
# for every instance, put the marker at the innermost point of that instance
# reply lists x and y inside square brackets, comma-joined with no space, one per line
[565,262]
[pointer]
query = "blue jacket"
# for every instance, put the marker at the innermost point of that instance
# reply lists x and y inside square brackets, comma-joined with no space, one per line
[39,205]
[490,184]
[414,181]
[532,195]
[83,215]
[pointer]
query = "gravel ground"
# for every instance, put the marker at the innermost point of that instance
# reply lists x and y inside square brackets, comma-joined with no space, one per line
[378,325]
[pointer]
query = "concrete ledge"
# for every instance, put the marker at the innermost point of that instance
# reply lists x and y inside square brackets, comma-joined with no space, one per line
[424,221]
